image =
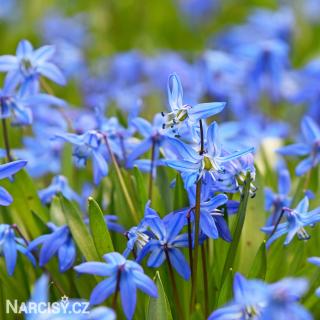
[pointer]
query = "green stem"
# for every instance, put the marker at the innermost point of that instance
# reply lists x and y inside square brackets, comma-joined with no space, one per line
[151,169]
[121,180]
[174,286]
[205,280]
[190,242]
[196,246]
[6,139]
[197,227]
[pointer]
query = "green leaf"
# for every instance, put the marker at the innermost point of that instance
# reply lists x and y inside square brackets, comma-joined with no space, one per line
[141,192]
[25,204]
[99,229]
[180,194]
[56,213]
[158,308]
[79,230]
[225,294]
[259,265]
[237,228]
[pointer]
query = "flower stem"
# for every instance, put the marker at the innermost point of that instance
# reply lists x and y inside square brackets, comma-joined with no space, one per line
[18,230]
[197,225]
[205,280]
[196,247]
[6,139]
[121,180]
[151,169]
[190,241]
[174,286]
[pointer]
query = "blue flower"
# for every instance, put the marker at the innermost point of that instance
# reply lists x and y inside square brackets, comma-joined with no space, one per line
[59,184]
[297,219]
[276,201]
[9,245]
[18,105]
[316,261]
[123,274]
[181,112]
[6,171]
[250,297]
[254,299]
[212,222]
[85,146]
[153,138]
[283,300]
[68,311]
[28,65]
[165,242]
[310,147]
[193,165]
[60,243]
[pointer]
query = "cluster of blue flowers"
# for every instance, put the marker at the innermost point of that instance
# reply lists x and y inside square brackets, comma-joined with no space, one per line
[213,164]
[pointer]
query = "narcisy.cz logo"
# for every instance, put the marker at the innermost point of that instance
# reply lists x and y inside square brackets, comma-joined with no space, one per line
[64,306]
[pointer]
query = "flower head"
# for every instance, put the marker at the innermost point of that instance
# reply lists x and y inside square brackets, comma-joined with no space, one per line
[124,275]
[9,245]
[87,146]
[296,220]
[6,171]
[310,147]
[193,165]
[164,242]
[183,112]
[28,65]
[60,243]
[59,184]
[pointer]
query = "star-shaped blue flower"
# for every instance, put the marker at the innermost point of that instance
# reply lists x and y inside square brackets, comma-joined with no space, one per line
[310,147]
[124,274]
[297,219]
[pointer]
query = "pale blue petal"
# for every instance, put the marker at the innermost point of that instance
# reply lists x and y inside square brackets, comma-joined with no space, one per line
[205,110]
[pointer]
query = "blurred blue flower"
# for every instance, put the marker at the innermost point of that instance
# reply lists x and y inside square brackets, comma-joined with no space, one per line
[249,299]
[275,201]
[87,146]
[297,219]
[62,310]
[18,106]
[283,300]
[193,166]
[268,60]
[165,242]
[28,65]
[59,242]
[154,138]
[6,171]
[124,275]
[9,245]
[316,261]
[59,184]
[197,10]
[310,147]
[254,299]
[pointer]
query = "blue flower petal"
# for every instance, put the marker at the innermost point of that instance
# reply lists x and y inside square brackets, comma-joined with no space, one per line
[103,290]
[179,262]
[128,293]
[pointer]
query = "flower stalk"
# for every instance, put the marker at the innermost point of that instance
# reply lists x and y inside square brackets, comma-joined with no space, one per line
[121,180]
[151,169]
[197,227]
